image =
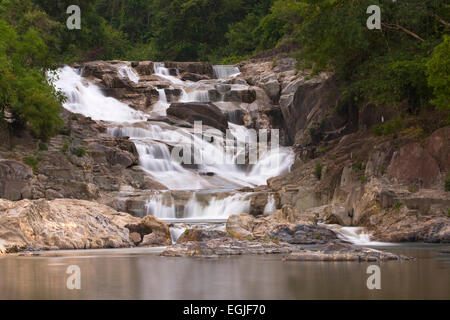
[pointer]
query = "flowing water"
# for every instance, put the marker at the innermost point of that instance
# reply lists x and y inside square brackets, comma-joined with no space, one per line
[216,168]
[209,194]
[143,274]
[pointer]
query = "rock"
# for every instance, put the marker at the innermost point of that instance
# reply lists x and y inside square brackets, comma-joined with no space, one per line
[188,76]
[339,251]
[240,226]
[410,228]
[302,234]
[438,146]
[59,224]
[145,68]
[244,96]
[152,231]
[272,88]
[208,113]
[15,180]
[413,164]
[135,238]
[226,247]
[277,227]
[199,235]
[200,68]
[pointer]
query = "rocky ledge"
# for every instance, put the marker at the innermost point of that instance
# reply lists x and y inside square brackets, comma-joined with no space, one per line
[73,224]
[227,246]
[341,251]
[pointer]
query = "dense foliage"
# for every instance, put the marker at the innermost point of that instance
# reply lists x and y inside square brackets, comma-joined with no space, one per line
[408,59]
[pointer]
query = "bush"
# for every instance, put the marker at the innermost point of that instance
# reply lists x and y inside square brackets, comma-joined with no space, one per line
[318,170]
[42,146]
[32,162]
[447,183]
[65,147]
[79,151]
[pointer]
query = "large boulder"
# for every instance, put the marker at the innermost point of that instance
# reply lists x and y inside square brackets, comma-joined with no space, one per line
[276,226]
[208,113]
[153,232]
[61,224]
[15,180]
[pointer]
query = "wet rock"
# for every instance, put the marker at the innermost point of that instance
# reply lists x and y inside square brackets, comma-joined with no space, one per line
[200,235]
[276,226]
[15,180]
[194,77]
[226,247]
[200,68]
[208,113]
[302,234]
[152,231]
[339,251]
[60,224]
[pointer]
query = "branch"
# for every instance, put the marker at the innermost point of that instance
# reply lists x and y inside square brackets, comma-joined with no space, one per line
[398,27]
[445,23]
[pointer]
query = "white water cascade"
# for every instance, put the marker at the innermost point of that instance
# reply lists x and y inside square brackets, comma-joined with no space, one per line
[222,71]
[88,99]
[218,174]
[355,235]
[128,72]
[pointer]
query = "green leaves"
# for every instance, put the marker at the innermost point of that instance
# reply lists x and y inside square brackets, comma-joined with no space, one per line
[438,70]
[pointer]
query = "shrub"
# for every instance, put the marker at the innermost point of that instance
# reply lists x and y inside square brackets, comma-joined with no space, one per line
[42,146]
[65,147]
[447,183]
[397,206]
[79,151]
[32,162]
[318,170]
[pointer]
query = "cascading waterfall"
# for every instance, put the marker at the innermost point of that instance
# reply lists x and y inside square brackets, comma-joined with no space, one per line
[226,71]
[128,72]
[88,99]
[199,206]
[155,140]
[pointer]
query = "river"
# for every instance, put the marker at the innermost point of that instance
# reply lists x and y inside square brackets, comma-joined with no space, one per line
[144,274]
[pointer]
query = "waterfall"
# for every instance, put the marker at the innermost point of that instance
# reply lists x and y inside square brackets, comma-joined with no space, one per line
[203,206]
[355,235]
[270,206]
[155,142]
[88,99]
[128,72]
[226,71]
[160,70]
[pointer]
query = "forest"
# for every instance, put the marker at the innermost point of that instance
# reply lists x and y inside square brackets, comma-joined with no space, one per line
[409,58]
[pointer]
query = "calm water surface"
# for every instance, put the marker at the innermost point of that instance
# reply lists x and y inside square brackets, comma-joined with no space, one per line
[143,274]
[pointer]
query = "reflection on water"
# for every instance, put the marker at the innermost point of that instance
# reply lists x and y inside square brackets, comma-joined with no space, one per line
[142,274]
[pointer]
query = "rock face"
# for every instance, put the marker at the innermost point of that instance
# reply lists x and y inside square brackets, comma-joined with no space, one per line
[208,113]
[15,180]
[60,224]
[152,231]
[339,251]
[414,164]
